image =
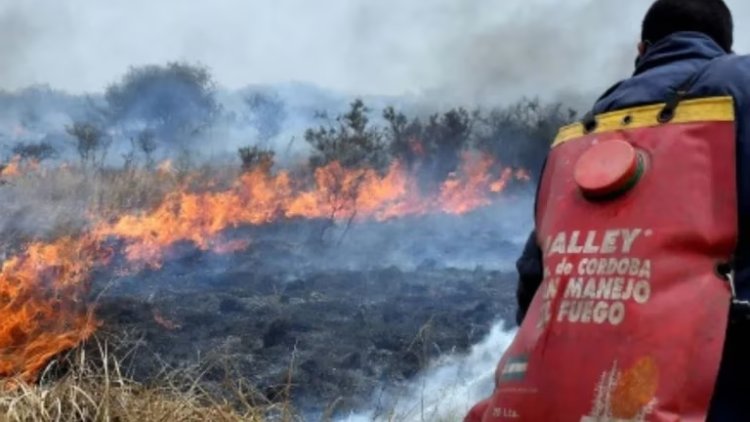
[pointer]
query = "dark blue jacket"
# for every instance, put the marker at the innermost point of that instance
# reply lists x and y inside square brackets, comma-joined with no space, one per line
[664,67]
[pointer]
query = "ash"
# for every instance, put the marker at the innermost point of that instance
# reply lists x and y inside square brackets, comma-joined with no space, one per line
[329,317]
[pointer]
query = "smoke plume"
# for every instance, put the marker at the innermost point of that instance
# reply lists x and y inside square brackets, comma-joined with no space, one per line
[471,50]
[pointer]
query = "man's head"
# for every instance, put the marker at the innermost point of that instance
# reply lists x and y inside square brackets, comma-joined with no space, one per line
[710,17]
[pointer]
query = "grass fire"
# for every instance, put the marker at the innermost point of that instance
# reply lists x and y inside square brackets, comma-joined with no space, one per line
[45,284]
[174,248]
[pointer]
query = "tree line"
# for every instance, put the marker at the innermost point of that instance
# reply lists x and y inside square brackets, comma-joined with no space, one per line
[161,106]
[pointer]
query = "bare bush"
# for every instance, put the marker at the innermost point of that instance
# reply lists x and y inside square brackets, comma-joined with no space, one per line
[255,157]
[405,137]
[34,151]
[176,101]
[520,135]
[432,150]
[446,136]
[91,143]
[146,142]
[267,114]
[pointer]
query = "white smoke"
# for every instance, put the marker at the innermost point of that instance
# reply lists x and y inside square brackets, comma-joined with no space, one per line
[455,48]
[448,389]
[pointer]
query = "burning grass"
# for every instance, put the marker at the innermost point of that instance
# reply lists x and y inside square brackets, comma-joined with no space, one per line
[65,228]
[44,286]
[94,388]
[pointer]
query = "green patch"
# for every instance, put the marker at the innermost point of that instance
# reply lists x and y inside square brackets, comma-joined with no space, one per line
[515,369]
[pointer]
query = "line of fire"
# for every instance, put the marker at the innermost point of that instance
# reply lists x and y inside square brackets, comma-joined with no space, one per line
[319,251]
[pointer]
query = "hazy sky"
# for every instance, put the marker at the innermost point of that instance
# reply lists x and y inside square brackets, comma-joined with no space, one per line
[462,48]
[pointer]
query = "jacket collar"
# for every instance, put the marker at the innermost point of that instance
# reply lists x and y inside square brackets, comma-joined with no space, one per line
[678,47]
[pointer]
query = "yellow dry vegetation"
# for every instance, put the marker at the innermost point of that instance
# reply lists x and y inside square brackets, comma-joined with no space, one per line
[96,390]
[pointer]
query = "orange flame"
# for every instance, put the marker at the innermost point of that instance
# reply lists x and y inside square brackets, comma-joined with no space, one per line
[43,304]
[12,169]
[165,322]
[43,290]
[259,197]
[469,190]
[499,185]
[523,175]
[17,167]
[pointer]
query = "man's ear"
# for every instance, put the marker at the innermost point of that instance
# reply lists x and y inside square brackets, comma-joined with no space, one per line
[641,48]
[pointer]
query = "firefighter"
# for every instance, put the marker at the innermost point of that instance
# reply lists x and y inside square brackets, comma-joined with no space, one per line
[685,52]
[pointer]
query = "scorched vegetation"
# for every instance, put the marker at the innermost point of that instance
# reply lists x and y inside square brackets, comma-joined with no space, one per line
[122,214]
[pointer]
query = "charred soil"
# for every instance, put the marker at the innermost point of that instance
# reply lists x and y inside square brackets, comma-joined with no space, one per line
[313,335]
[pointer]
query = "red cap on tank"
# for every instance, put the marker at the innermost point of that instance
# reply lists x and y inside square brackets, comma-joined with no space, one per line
[607,168]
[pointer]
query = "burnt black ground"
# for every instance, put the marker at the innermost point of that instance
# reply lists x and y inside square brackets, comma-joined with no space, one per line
[258,314]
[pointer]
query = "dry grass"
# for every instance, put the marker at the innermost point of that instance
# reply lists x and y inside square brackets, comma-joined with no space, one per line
[96,390]
[59,201]
[55,201]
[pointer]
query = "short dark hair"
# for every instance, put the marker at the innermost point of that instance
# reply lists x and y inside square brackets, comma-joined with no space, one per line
[710,17]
